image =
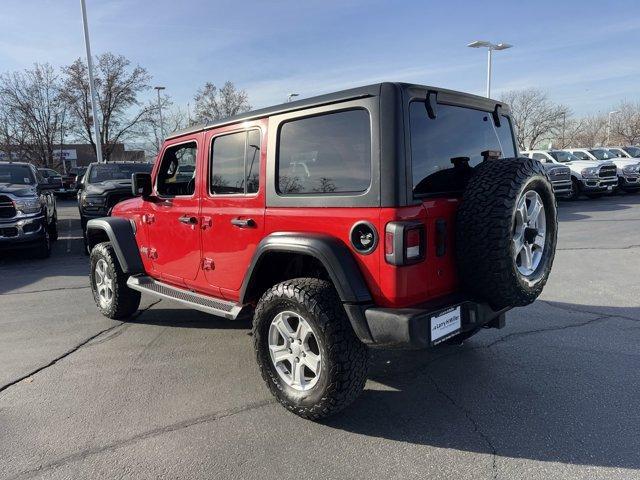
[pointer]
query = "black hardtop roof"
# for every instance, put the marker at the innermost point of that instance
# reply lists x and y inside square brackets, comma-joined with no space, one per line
[340,96]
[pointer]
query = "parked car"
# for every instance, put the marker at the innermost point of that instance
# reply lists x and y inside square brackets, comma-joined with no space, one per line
[70,181]
[336,232]
[589,177]
[53,178]
[28,216]
[626,152]
[628,169]
[560,176]
[103,185]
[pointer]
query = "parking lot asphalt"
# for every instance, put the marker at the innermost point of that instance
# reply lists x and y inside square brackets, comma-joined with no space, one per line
[174,393]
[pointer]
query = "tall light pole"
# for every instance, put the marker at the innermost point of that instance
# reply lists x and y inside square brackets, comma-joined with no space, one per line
[609,124]
[291,96]
[490,48]
[92,84]
[158,89]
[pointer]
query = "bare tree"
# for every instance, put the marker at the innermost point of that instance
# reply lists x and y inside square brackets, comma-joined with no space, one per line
[34,111]
[118,86]
[212,103]
[535,117]
[591,132]
[625,125]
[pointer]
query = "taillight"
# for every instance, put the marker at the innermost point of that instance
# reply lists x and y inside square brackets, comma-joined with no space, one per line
[404,243]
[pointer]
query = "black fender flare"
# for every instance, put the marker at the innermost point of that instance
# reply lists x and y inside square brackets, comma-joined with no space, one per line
[122,237]
[336,258]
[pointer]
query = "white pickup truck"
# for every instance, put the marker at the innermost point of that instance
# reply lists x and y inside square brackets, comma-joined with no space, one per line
[590,177]
[628,169]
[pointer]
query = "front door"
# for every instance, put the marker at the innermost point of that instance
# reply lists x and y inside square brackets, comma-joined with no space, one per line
[232,209]
[173,218]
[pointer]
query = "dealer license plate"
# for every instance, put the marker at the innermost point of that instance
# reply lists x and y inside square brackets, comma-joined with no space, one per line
[445,325]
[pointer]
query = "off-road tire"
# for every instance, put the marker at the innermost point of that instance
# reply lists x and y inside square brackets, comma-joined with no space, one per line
[125,300]
[485,226]
[344,357]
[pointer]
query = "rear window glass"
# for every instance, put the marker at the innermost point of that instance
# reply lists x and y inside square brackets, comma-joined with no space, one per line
[325,154]
[456,132]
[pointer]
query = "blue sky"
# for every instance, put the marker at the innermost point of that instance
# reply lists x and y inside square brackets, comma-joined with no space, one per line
[585,54]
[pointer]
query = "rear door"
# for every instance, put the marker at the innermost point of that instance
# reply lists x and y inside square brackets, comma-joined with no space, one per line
[443,150]
[173,213]
[232,204]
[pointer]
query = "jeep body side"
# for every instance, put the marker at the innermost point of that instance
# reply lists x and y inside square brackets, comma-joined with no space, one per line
[353,196]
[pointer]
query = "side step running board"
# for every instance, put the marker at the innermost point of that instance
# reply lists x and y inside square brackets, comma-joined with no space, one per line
[215,306]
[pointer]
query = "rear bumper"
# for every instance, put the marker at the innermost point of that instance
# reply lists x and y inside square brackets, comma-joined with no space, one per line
[411,327]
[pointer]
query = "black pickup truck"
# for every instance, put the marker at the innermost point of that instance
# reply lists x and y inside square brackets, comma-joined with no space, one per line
[103,185]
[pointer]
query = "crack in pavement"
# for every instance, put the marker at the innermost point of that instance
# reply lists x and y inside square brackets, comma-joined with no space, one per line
[110,447]
[73,349]
[592,312]
[628,247]
[510,336]
[474,423]
[23,292]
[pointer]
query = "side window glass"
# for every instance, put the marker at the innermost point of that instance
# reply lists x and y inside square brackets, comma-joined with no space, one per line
[235,163]
[177,172]
[325,154]
[539,156]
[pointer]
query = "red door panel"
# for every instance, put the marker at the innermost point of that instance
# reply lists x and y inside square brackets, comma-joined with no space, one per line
[233,222]
[174,223]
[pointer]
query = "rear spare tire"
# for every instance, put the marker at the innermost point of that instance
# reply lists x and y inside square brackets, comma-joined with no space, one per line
[506,232]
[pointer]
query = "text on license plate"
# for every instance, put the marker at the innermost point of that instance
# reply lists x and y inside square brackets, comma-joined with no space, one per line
[445,325]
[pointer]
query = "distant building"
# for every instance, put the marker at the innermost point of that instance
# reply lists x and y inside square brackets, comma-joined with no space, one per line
[82,154]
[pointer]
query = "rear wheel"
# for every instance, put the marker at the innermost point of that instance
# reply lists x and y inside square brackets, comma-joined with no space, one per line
[307,352]
[113,297]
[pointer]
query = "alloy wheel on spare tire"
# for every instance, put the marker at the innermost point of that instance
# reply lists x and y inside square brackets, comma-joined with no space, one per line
[307,351]
[507,232]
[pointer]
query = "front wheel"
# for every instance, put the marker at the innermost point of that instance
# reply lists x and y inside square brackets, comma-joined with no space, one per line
[575,190]
[307,351]
[43,250]
[113,297]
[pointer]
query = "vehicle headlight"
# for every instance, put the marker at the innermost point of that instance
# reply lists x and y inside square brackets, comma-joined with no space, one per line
[590,172]
[631,169]
[89,201]
[28,205]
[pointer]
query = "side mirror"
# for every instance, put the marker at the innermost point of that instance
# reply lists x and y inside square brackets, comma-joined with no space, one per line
[141,184]
[79,183]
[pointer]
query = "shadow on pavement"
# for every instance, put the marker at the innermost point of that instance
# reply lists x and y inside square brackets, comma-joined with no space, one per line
[532,397]
[187,318]
[582,208]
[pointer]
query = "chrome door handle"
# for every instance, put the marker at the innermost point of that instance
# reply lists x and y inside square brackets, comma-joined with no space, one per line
[243,222]
[188,220]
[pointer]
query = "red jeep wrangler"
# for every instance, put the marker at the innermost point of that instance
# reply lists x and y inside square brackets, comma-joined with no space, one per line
[390,215]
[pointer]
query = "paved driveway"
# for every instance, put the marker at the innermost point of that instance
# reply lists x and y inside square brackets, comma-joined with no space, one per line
[174,393]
